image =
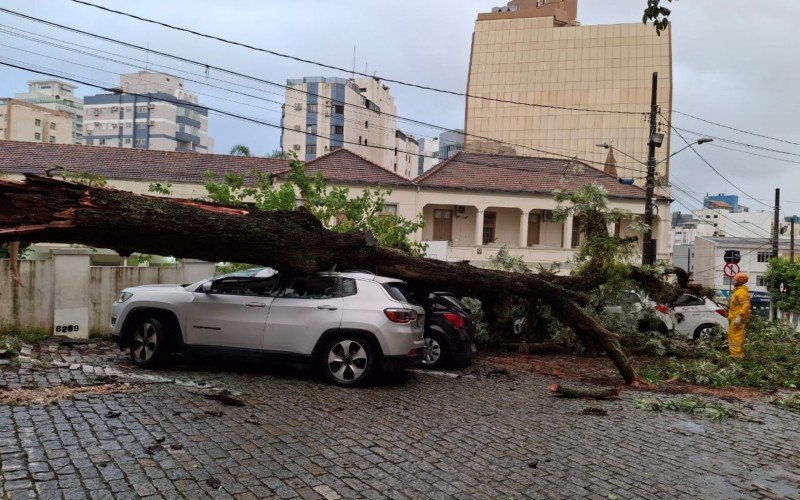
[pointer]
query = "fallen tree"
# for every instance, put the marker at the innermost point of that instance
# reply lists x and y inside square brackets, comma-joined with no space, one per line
[41,209]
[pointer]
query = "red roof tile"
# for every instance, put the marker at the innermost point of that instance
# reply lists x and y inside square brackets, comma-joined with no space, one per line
[345,166]
[519,174]
[128,164]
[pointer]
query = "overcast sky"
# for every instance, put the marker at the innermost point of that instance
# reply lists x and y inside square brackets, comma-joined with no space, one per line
[735,61]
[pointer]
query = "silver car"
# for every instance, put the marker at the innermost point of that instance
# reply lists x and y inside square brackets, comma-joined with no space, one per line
[347,323]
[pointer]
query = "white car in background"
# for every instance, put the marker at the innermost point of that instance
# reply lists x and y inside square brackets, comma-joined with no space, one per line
[696,317]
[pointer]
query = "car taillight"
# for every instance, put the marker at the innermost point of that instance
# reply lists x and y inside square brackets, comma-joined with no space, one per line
[401,315]
[455,319]
[722,312]
[662,309]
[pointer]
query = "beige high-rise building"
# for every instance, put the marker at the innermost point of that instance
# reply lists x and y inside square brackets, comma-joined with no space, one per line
[535,51]
[57,96]
[22,121]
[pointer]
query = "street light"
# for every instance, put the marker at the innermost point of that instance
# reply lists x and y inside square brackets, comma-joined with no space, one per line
[702,140]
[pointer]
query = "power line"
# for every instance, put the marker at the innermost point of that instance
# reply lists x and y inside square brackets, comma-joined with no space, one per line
[261,80]
[345,70]
[712,166]
[756,154]
[736,129]
[731,141]
[259,121]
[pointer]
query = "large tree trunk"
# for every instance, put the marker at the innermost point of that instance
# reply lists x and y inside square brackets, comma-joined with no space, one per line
[47,210]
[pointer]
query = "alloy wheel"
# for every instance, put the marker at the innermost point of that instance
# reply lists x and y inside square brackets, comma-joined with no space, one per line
[145,341]
[433,351]
[347,360]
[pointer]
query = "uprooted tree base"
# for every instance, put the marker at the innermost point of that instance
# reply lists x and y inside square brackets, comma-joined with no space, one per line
[47,210]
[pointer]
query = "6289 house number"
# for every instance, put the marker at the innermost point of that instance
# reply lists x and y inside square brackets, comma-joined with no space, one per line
[67,328]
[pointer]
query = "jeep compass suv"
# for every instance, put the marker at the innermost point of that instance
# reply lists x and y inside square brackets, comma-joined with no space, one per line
[347,323]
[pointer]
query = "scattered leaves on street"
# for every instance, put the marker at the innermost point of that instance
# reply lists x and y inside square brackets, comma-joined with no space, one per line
[688,404]
[48,395]
[790,401]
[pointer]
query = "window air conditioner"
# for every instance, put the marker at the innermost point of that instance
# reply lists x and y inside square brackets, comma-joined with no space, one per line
[96,112]
[114,108]
[298,106]
[297,127]
[151,123]
[547,216]
[151,106]
[89,132]
[296,147]
[113,125]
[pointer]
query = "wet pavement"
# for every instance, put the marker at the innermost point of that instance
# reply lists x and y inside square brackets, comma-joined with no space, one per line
[80,421]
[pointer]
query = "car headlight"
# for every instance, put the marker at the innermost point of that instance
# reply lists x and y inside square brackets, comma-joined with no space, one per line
[123,296]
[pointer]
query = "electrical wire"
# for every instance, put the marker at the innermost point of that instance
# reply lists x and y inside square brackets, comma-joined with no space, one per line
[731,141]
[735,129]
[344,70]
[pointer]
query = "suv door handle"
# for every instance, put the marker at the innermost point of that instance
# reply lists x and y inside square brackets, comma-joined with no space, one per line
[256,304]
[330,308]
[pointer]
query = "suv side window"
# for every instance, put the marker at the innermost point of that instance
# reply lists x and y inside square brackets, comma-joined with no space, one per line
[348,287]
[310,288]
[236,285]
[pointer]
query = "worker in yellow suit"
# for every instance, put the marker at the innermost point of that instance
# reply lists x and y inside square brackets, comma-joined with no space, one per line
[738,315]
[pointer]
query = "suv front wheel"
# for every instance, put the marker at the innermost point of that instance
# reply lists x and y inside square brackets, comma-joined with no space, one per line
[347,360]
[149,343]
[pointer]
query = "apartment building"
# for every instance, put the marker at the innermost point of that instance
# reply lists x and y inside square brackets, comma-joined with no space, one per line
[151,111]
[57,96]
[536,52]
[322,114]
[23,121]
[450,143]
[428,154]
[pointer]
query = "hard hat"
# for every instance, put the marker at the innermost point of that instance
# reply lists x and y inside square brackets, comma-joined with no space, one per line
[740,278]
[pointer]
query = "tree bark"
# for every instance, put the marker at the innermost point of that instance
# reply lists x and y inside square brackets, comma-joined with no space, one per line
[48,210]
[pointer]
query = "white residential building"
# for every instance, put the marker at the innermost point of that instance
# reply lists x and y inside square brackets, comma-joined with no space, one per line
[428,153]
[152,111]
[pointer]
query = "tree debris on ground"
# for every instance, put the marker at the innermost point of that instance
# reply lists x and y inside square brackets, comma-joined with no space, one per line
[49,395]
[224,397]
[689,404]
[584,392]
[788,401]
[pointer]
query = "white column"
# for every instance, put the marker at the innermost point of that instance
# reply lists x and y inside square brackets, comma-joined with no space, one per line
[523,229]
[71,292]
[479,228]
[566,242]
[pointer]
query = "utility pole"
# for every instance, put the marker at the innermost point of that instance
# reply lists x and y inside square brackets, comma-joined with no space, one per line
[776,222]
[648,245]
[791,241]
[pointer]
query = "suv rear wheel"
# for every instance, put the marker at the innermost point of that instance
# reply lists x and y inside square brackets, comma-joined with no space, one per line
[347,360]
[149,343]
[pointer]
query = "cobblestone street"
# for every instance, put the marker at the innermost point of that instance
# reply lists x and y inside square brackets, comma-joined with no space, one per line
[479,435]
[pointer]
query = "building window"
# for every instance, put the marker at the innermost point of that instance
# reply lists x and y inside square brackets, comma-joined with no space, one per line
[37,122]
[141,109]
[141,125]
[576,232]
[366,124]
[764,256]
[127,124]
[52,139]
[127,140]
[760,281]
[311,128]
[338,109]
[312,108]
[37,136]
[311,149]
[365,142]
[489,222]
[140,142]
[52,126]
[337,130]
[389,210]
[102,142]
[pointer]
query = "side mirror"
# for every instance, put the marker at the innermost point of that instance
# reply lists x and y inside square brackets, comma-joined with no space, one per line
[206,287]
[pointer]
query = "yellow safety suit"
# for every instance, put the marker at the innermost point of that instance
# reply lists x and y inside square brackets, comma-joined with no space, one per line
[738,316]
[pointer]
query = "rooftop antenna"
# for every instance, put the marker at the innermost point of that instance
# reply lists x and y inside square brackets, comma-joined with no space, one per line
[353,74]
[147,58]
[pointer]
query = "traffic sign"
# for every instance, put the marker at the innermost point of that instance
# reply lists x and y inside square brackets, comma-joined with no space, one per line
[732,256]
[731,270]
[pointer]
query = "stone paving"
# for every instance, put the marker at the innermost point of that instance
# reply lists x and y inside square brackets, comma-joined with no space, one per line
[418,436]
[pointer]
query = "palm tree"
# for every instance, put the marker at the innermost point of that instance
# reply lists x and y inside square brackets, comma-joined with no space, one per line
[240,150]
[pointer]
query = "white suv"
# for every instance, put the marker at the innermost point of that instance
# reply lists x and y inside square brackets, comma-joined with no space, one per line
[348,323]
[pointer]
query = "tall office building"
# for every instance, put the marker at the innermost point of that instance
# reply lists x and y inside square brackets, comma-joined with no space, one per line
[57,96]
[535,51]
[323,114]
[23,121]
[151,111]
